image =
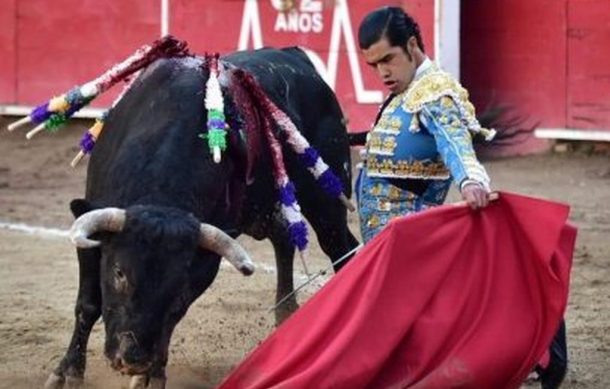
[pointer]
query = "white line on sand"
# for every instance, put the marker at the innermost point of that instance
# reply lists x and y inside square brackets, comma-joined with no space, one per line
[62,234]
[34,230]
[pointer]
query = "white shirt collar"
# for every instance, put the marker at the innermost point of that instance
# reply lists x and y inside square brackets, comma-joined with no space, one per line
[423,67]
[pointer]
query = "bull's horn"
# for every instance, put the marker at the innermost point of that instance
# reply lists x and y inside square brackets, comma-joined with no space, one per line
[105,219]
[213,239]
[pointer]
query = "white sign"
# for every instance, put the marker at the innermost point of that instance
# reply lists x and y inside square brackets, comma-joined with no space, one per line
[341,27]
[308,18]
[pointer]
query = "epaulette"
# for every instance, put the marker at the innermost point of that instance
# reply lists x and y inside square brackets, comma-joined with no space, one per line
[436,84]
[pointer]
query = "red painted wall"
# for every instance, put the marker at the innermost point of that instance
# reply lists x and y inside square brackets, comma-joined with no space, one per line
[52,46]
[588,51]
[8,52]
[514,53]
[67,42]
[549,59]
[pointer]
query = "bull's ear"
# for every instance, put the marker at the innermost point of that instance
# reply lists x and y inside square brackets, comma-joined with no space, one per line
[80,206]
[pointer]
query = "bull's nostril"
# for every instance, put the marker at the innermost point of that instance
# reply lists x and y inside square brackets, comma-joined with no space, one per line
[130,354]
[127,336]
[116,362]
[125,365]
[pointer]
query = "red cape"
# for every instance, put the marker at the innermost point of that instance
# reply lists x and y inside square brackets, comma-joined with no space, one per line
[448,298]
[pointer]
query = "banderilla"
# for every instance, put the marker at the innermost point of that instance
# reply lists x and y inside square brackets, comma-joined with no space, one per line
[311,279]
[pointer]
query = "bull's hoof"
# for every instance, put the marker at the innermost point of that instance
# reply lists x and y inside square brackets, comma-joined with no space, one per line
[156,383]
[284,312]
[144,382]
[54,382]
[74,382]
[138,382]
[59,382]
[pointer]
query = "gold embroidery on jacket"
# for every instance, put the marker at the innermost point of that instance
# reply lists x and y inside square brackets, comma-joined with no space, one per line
[387,167]
[388,125]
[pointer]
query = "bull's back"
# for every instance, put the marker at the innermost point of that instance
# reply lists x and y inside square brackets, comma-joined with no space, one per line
[150,150]
[291,81]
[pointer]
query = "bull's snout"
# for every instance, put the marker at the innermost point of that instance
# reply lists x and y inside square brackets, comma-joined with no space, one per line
[130,358]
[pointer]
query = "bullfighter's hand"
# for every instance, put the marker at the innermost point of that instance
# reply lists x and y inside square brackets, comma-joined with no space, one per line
[475,195]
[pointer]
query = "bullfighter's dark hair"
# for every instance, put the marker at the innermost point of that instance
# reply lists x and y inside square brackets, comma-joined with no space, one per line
[392,23]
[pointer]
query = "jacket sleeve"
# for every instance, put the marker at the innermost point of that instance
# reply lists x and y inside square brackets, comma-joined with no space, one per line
[442,119]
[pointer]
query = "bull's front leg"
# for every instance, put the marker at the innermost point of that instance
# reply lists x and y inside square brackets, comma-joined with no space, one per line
[71,369]
[284,259]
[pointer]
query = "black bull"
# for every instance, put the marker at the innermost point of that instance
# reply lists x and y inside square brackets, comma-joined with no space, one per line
[151,166]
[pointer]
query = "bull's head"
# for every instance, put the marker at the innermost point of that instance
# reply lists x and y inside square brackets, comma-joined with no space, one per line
[155,262]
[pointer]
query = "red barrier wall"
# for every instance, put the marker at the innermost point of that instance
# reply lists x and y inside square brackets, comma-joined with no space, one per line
[8,52]
[514,53]
[550,59]
[52,46]
[588,103]
[67,42]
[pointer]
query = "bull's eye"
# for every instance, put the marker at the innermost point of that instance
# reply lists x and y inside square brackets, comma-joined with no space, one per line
[120,280]
[118,273]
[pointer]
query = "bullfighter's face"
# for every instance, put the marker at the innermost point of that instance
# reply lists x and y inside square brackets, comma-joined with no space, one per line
[394,65]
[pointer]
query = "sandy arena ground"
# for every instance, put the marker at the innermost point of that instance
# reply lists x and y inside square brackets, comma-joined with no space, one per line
[38,272]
